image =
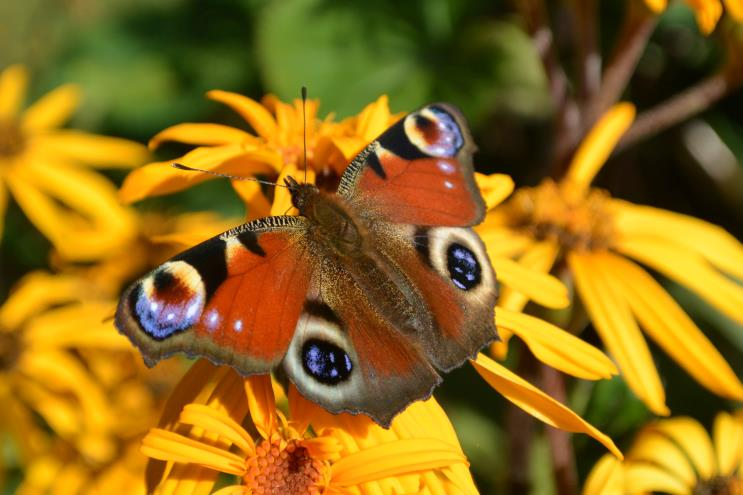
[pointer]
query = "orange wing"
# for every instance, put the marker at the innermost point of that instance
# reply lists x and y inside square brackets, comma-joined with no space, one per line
[234,299]
[418,172]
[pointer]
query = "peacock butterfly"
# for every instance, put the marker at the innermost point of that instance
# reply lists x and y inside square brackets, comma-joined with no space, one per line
[362,299]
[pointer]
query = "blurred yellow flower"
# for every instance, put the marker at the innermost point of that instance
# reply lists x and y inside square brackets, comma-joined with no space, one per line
[312,452]
[44,325]
[676,456]
[707,12]
[276,146]
[44,168]
[572,226]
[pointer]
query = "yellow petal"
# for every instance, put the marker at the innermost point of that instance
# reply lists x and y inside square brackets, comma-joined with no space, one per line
[599,143]
[231,490]
[735,9]
[673,330]
[688,269]
[93,150]
[252,195]
[707,12]
[713,242]
[161,178]
[202,135]
[654,448]
[502,242]
[253,112]
[657,6]
[646,478]
[13,83]
[693,439]
[90,224]
[556,347]
[168,446]
[197,384]
[262,404]
[374,119]
[613,321]
[33,294]
[537,403]
[542,288]
[728,439]
[51,110]
[396,458]
[606,477]
[494,188]
[538,258]
[215,422]
[79,325]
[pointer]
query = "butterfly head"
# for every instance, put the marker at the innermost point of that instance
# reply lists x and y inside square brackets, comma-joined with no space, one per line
[302,194]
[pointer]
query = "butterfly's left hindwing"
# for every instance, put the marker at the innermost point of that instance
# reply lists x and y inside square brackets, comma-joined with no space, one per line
[234,299]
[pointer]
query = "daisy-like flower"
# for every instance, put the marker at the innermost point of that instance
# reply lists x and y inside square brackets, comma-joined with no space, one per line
[550,344]
[275,148]
[585,233]
[46,171]
[44,326]
[676,456]
[338,454]
[707,12]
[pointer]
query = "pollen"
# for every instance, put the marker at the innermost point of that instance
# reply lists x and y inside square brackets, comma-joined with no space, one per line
[281,467]
[720,485]
[558,212]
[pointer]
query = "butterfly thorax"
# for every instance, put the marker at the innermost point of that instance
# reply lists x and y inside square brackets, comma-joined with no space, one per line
[332,219]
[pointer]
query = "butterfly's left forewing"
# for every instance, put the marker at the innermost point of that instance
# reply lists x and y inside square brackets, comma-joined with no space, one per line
[234,299]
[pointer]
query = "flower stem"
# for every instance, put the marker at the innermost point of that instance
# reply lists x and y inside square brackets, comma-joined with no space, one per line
[561,447]
[588,56]
[638,26]
[520,429]
[680,107]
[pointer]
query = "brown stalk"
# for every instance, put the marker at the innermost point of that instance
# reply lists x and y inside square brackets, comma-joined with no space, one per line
[561,447]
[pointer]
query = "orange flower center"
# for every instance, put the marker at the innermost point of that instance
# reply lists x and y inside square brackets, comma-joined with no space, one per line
[11,139]
[562,214]
[720,485]
[287,469]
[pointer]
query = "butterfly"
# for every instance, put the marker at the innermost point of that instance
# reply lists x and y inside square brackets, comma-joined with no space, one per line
[362,300]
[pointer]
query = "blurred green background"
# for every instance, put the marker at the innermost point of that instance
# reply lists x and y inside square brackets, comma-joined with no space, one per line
[144,65]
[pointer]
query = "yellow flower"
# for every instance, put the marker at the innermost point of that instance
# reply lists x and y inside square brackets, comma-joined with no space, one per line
[276,147]
[45,325]
[572,226]
[707,12]
[676,456]
[312,452]
[43,167]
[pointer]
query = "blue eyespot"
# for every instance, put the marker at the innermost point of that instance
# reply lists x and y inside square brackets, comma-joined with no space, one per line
[449,139]
[464,269]
[326,362]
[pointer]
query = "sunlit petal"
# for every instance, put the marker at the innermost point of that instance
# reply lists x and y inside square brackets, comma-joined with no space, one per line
[494,188]
[728,439]
[711,241]
[262,404]
[518,288]
[654,448]
[657,6]
[202,134]
[646,478]
[556,347]
[672,329]
[599,143]
[394,459]
[688,269]
[606,477]
[735,9]
[707,12]
[253,112]
[215,422]
[613,320]
[536,402]
[34,293]
[13,83]
[79,325]
[51,110]
[168,446]
[90,149]
[695,442]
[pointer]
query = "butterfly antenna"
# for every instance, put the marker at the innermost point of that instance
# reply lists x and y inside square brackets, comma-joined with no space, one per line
[180,166]
[304,129]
